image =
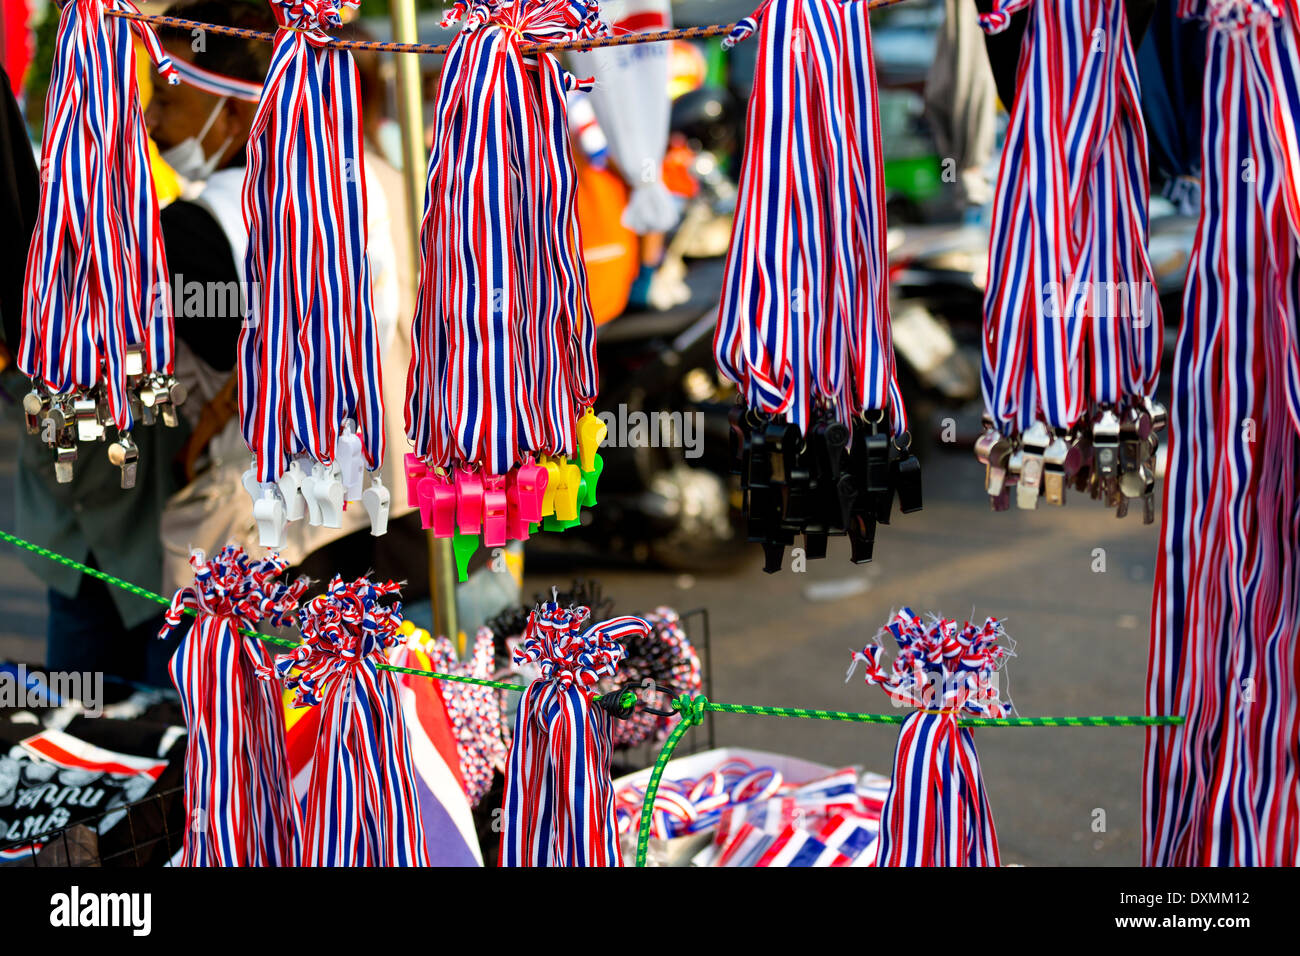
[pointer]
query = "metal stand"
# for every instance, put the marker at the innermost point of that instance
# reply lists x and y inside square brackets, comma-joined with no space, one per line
[442,562]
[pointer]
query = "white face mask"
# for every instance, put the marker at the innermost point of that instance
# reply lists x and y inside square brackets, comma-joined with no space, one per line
[187,157]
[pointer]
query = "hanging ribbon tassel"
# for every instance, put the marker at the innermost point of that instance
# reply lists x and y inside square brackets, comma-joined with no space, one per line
[1072,323]
[559,800]
[803,323]
[503,371]
[97,335]
[310,391]
[361,808]
[937,813]
[1225,629]
[239,804]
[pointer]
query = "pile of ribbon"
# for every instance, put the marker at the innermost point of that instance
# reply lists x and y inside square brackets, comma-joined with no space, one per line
[1225,628]
[803,324]
[834,821]
[97,334]
[1072,323]
[937,813]
[761,819]
[239,804]
[310,394]
[503,371]
[559,799]
[361,807]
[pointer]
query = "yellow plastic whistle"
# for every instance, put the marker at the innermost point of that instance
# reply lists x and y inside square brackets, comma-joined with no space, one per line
[591,432]
[552,485]
[566,495]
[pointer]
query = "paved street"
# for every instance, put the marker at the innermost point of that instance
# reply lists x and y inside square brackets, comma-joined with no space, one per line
[1081,644]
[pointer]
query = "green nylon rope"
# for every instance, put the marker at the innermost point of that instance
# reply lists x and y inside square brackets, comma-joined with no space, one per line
[268,638]
[696,708]
[690,709]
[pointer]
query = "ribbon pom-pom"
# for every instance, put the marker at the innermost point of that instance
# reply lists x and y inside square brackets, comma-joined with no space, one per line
[559,802]
[937,813]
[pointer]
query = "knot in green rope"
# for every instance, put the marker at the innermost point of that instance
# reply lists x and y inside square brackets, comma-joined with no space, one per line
[691,709]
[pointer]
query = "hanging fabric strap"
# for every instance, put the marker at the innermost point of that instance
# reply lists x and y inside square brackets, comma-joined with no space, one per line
[937,812]
[96,280]
[240,809]
[311,357]
[361,807]
[503,343]
[804,314]
[559,801]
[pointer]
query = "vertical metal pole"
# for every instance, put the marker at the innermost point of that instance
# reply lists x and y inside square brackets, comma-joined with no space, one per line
[442,562]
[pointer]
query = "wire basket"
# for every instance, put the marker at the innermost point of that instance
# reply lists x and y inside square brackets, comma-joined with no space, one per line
[145,833]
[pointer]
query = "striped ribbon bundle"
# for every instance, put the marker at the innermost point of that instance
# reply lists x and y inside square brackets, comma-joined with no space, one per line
[475,711]
[310,395]
[803,322]
[1225,632]
[559,800]
[239,804]
[503,342]
[804,315]
[1072,324]
[937,813]
[361,808]
[97,335]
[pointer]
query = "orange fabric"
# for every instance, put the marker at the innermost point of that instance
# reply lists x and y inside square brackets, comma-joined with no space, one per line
[677,171]
[609,248]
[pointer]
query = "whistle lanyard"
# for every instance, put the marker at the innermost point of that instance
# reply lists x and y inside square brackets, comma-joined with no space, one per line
[240,807]
[310,358]
[937,811]
[217,84]
[1068,267]
[804,313]
[559,799]
[503,343]
[361,808]
[96,279]
[1226,607]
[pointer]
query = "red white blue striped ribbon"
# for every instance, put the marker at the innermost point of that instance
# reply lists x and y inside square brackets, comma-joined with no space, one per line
[1070,314]
[96,279]
[1222,789]
[240,809]
[311,357]
[937,813]
[361,807]
[804,314]
[559,800]
[503,341]
[217,84]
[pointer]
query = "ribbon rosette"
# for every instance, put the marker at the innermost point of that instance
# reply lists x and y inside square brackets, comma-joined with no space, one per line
[360,808]
[238,799]
[937,812]
[559,801]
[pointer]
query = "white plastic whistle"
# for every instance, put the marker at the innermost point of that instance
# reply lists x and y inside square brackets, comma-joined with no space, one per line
[376,500]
